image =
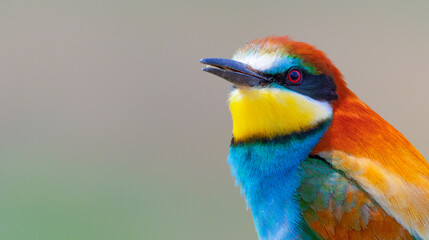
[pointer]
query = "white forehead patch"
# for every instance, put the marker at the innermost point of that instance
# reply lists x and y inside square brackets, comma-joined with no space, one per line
[257,61]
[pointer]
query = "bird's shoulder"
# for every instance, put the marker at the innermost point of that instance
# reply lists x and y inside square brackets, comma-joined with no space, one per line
[381,161]
[335,207]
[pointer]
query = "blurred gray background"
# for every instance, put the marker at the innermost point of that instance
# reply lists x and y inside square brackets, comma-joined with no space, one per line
[110,130]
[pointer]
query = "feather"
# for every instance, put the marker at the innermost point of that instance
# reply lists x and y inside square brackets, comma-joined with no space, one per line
[340,209]
[381,161]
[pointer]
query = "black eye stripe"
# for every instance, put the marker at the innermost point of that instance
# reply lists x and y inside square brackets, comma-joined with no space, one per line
[285,78]
[319,87]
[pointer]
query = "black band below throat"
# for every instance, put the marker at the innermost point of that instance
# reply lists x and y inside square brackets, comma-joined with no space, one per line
[322,126]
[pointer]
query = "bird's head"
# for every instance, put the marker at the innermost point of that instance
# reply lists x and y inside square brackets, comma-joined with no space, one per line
[281,87]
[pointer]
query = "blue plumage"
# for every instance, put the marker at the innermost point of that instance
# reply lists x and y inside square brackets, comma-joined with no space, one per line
[267,172]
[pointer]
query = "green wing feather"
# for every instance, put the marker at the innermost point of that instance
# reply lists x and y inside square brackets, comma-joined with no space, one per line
[335,207]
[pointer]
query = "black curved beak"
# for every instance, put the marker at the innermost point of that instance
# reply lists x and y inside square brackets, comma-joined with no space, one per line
[235,72]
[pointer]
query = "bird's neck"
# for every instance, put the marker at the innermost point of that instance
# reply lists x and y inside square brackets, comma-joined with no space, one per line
[267,171]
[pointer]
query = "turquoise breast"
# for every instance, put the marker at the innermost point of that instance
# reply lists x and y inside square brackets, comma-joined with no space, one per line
[268,174]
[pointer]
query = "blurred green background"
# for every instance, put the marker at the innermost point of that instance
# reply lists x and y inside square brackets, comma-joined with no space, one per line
[109,130]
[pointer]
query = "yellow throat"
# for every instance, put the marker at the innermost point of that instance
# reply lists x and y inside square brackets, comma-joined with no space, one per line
[271,112]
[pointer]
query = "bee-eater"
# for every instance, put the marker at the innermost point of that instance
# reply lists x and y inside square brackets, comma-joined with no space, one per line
[312,160]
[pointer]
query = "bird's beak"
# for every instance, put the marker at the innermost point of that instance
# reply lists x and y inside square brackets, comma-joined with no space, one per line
[237,73]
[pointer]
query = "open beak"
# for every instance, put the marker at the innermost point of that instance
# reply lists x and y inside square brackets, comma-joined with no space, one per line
[235,72]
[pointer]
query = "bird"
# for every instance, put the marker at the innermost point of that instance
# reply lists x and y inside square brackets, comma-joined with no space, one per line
[311,159]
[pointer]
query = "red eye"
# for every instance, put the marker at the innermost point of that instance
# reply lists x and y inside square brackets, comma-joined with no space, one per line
[294,76]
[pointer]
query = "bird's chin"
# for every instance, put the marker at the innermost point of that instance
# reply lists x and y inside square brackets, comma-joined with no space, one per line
[270,112]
